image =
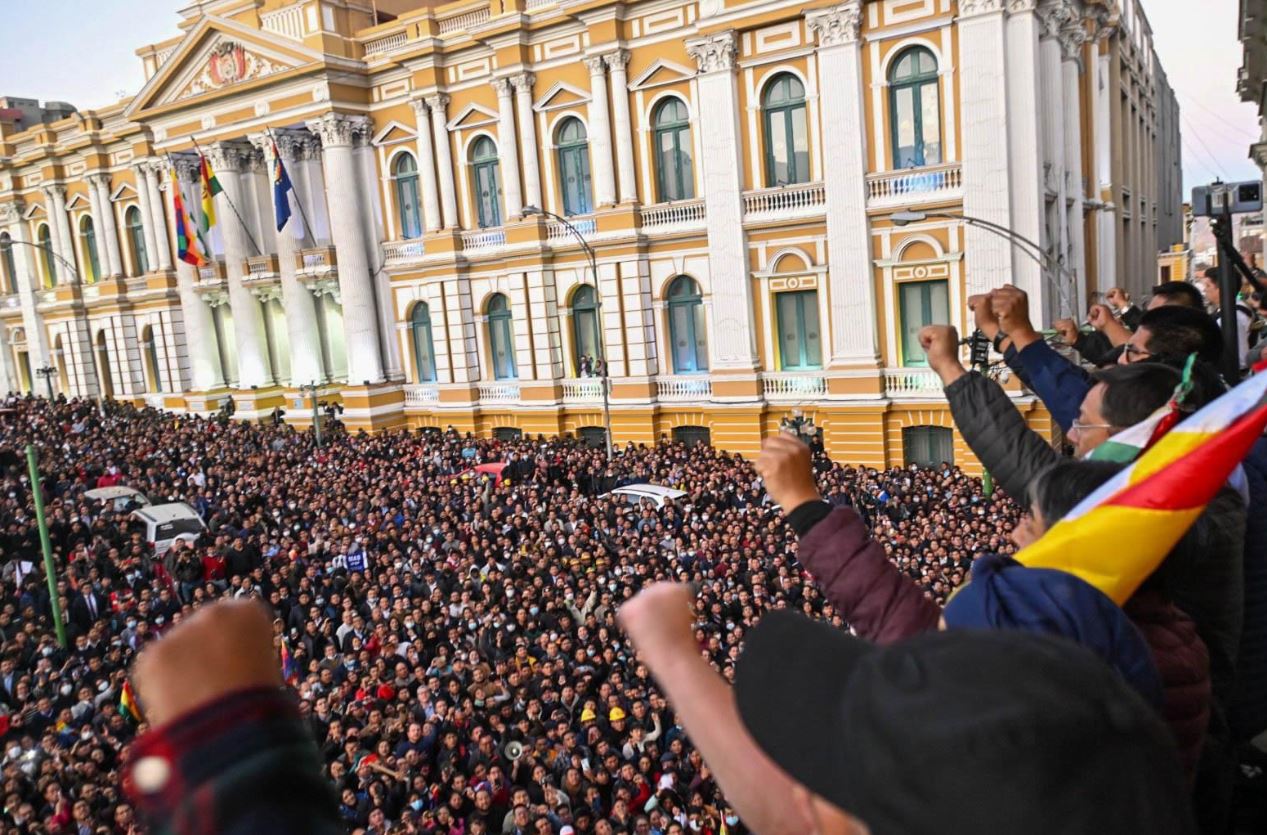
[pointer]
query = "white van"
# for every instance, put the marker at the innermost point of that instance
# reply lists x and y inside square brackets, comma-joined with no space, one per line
[635,493]
[119,498]
[166,523]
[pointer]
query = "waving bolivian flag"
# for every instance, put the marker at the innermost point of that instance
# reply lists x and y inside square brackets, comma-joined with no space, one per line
[127,703]
[1120,534]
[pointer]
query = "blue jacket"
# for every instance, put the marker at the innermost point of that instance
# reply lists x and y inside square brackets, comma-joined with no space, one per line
[1248,713]
[1059,383]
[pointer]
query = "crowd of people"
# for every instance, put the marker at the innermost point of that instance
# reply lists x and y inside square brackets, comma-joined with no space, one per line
[451,638]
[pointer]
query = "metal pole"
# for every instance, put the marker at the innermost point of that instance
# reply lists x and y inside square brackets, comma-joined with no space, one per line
[37,494]
[316,415]
[1228,287]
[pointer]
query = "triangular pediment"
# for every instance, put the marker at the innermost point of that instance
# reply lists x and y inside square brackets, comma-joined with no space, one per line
[35,210]
[76,202]
[660,73]
[394,132]
[473,116]
[123,192]
[561,95]
[216,56]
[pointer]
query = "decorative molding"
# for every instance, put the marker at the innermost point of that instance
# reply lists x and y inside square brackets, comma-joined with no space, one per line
[438,101]
[1021,6]
[523,82]
[187,168]
[338,129]
[230,156]
[419,104]
[973,8]
[267,293]
[10,213]
[502,86]
[55,192]
[229,63]
[617,60]
[596,64]
[715,53]
[838,25]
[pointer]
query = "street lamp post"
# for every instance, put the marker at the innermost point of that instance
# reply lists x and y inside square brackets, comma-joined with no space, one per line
[47,373]
[1032,248]
[316,416]
[598,296]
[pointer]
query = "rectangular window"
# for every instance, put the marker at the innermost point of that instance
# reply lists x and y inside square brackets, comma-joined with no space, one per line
[800,343]
[921,303]
[503,350]
[930,123]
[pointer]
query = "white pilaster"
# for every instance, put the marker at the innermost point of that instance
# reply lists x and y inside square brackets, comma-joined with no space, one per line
[426,166]
[59,232]
[1025,149]
[24,258]
[528,138]
[147,216]
[600,133]
[444,158]
[850,268]
[1073,38]
[617,62]
[508,149]
[107,229]
[163,250]
[721,162]
[360,315]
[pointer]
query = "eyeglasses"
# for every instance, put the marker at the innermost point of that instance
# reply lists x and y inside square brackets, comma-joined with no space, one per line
[1079,426]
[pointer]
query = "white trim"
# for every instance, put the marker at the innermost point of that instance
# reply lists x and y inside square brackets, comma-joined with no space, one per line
[641,82]
[411,134]
[455,124]
[120,193]
[543,104]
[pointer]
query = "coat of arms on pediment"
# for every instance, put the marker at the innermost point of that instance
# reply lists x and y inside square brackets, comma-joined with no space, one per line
[229,63]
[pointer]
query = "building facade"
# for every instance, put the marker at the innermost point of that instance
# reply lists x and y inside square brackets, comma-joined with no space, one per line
[733,166]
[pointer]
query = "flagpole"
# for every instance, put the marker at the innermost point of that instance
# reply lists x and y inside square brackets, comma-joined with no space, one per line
[308,233]
[236,213]
[50,573]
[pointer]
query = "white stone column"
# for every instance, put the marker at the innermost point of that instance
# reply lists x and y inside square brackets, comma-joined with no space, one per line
[426,166]
[721,163]
[229,160]
[59,232]
[600,133]
[147,216]
[356,289]
[163,252]
[986,157]
[617,62]
[508,149]
[444,158]
[24,258]
[298,304]
[201,350]
[1073,38]
[1025,149]
[853,307]
[107,228]
[528,138]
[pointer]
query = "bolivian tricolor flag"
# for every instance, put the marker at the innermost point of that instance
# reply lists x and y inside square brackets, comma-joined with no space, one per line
[186,234]
[210,188]
[127,703]
[1122,532]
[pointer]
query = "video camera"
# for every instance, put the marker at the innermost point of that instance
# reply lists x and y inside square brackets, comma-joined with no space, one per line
[1219,199]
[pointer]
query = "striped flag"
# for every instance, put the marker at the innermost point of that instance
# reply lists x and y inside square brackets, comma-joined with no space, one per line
[127,703]
[186,236]
[210,188]
[290,667]
[1120,534]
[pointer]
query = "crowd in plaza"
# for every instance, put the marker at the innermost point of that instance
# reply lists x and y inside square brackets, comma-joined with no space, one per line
[454,644]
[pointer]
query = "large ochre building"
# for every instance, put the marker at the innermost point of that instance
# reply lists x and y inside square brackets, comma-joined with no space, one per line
[734,165]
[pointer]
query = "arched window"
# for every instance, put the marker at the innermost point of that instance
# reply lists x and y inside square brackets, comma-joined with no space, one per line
[574,167]
[687,332]
[88,238]
[488,190]
[47,262]
[786,131]
[103,366]
[136,235]
[424,354]
[501,340]
[915,109]
[800,343]
[585,328]
[675,180]
[153,378]
[10,263]
[405,173]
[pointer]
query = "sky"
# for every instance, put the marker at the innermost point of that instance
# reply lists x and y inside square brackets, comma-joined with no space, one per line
[92,60]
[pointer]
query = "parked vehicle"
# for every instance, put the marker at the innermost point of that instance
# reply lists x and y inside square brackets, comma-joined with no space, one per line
[166,523]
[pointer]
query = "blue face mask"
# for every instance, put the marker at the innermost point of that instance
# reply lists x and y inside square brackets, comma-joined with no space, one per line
[417,805]
[732,820]
[533,610]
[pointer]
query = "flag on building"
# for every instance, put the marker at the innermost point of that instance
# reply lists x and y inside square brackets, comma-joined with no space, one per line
[290,667]
[127,703]
[1120,534]
[210,188]
[281,189]
[186,234]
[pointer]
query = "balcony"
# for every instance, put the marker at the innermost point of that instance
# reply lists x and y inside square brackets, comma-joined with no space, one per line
[559,233]
[421,395]
[483,239]
[913,383]
[401,253]
[583,390]
[667,217]
[935,183]
[287,22]
[677,389]
[499,392]
[386,43]
[211,273]
[793,385]
[316,261]
[533,5]
[784,202]
[467,20]
[261,268]
[11,301]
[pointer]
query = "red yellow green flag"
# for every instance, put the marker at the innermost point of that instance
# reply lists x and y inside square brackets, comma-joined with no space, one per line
[186,235]
[127,703]
[1120,534]
[210,188]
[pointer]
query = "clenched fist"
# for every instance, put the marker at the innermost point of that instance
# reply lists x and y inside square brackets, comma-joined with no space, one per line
[983,315]
[1068,330]
[784,464]
[1011,306]
[941,345]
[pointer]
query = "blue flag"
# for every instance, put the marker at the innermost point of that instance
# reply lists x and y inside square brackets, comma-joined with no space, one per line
[281,185]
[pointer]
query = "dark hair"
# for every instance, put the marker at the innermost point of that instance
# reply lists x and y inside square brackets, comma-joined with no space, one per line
[1133,392]
[1180,293]
[1207,383]
[1059,488]
[1179,331]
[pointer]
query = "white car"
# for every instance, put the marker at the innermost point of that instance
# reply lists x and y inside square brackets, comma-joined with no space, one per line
[166,523]
[635,493]
[119,497]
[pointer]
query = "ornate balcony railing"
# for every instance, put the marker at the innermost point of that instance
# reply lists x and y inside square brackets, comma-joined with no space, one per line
[533,5]
[783,202]
[261,268]
[420,395]
[583,389]
[10,301]
[483,239]
[396,253]
[558,232]
[684,388]
[287,22]
[916,185]
[683,213]
[211,272]
[499,392]
[317,260]
[912,383]
[462,22]
[793,385]
[387,43]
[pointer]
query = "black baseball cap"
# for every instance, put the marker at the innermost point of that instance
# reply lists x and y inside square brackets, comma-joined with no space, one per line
[962,731]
